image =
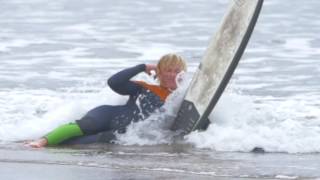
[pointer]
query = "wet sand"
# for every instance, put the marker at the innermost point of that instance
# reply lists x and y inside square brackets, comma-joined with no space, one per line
[150,162]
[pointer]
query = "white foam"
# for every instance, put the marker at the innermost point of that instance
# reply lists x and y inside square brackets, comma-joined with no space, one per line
[5,46]
[28,114]
[297,48]
[150,51]
[286,177]
[155,129]
[241,123]
[15,42]
[281,57]
[17,77]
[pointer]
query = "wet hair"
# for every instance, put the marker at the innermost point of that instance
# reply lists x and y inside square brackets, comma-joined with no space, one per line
[171,60]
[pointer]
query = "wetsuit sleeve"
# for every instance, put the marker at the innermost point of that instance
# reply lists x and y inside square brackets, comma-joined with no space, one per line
[120,82]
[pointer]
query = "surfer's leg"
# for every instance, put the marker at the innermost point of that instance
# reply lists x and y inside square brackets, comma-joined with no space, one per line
[95,121]
[63,133]
[58,135]
[98,119]
[102,137]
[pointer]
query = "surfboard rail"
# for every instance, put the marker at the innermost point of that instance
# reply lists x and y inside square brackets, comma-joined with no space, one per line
[217,66]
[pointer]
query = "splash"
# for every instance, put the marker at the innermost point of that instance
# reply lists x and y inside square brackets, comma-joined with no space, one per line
[155,129]
[29,114]
[242,122]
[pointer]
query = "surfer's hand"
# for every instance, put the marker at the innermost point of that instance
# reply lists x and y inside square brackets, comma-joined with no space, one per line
[150,68]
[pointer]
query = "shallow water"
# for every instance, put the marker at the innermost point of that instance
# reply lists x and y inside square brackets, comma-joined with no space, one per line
[56,57]
[179,161]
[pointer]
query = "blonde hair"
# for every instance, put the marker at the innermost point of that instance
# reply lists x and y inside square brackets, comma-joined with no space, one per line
[171,60]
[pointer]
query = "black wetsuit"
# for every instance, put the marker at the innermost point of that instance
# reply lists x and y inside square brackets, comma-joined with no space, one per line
[100,123]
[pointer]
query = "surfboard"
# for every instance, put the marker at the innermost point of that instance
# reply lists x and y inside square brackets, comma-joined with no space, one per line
[217,65]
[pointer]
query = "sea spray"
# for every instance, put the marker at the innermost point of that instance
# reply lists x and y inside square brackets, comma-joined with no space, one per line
[156,128]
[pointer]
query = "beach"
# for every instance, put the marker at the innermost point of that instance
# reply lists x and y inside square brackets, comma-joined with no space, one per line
[151,162]
[56,58]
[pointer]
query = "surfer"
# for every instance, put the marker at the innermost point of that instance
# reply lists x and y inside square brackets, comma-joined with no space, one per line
[101,123]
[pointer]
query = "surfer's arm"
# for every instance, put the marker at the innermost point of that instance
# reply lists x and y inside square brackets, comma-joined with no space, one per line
[120,82]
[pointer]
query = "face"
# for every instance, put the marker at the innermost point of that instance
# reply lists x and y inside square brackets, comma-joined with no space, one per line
[168,76]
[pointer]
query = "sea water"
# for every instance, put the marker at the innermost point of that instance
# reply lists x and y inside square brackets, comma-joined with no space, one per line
[56,57]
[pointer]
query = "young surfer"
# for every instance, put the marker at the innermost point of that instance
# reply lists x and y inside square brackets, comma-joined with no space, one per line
[101,123]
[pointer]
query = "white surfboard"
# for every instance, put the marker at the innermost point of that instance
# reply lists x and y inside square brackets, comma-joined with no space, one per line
[217,66]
